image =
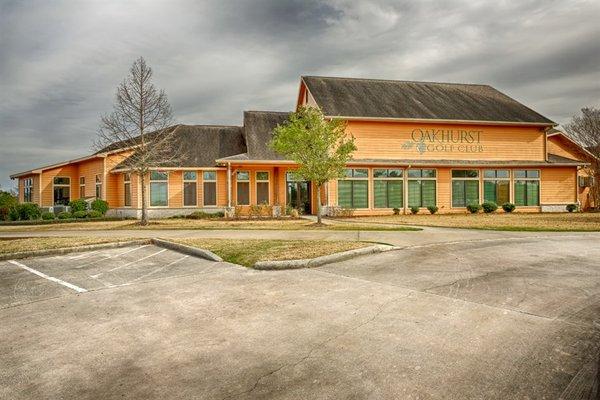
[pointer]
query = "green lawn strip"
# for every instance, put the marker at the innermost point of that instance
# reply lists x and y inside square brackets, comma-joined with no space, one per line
[248,252]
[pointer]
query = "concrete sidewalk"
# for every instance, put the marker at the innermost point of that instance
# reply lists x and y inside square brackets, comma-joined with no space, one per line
[428,236]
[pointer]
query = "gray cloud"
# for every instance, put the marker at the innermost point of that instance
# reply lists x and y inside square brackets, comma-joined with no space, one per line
[60,62]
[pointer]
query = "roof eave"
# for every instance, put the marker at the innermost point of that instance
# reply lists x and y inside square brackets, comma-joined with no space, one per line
[57,165]
[445,121]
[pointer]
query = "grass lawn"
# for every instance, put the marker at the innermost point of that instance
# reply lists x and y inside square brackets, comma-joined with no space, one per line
[48,243]
[207,224]
[498,221]
[248,252]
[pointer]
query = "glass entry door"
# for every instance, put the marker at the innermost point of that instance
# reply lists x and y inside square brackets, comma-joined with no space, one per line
[298,195]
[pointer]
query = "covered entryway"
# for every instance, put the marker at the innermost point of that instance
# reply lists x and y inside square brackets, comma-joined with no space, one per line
[298,194]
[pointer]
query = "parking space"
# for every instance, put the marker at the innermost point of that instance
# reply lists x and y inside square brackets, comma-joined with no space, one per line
[35,279]
[487,320]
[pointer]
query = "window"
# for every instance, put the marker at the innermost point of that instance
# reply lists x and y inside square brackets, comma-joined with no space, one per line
[262,187]
[527,187]
[421,187]
[496,185]
[62,190]
[243,188]
[353,191]
[98,187]
[127,189]
[28,190]
[210,187]
[82,187]
[465,187]
[159,189]
[388,188]
[190,186]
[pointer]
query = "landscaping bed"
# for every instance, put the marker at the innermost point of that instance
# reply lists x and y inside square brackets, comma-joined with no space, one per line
[560,222]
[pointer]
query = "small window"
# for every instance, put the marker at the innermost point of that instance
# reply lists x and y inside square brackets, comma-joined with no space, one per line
[421,173]
[465,173]
[190,189]
[209,188]
[59,180]
[262,187]
[243,188]
[127,189]
[28,190]
[387,173]
[98,187]
[159,176]
[82,180]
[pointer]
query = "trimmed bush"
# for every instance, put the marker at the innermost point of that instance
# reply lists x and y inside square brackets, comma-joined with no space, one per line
[93,214]
[205,215]
[4,211]
[571,207]
[47,216]
[508,207]
[489,207]
[473,208]
[99,205]
[65,215]
[396,211]
[13,213]
[80,214]
[78,205]
[433,209]
[29,211]
[414,209]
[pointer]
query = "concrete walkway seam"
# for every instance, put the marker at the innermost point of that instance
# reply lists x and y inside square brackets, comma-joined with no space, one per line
[322,260]
[66,250]
[189,250]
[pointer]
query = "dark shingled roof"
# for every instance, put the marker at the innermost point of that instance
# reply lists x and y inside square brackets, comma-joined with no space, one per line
[258,130]
[201,145]
[374,98]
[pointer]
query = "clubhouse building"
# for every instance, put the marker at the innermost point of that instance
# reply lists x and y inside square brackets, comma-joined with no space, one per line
[418,144]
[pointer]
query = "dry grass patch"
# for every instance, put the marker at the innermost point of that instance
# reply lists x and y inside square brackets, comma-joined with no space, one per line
[50,243]
[249,252]
[496,221]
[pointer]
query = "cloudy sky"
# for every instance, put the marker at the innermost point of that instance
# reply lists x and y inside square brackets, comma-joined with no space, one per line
[60,62]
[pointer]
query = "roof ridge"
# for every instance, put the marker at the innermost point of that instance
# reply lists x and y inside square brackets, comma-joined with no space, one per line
[396,80]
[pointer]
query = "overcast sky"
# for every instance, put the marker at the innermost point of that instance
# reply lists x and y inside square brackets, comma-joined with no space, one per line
[60,62]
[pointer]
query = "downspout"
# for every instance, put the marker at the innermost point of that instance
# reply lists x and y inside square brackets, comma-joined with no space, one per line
[228,185]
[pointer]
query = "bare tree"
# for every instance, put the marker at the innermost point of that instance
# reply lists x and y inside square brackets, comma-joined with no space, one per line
[141,121]
[585,129]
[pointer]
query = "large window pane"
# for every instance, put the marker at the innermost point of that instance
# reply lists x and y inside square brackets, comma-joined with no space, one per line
[502,192]
[472,192]
[458,194]
[520,193]
[210,193]
[190,194]
[428,193]
[127,193]
[345,194]
[380,194]
[533,193]
[243,193]
[262,192]
[489,191]
[414,193]
[62,195]
[395,194]
[360,194]
[158,194]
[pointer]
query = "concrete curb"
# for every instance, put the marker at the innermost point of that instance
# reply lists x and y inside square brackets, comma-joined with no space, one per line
[182,248]
[66,250]
[318,261]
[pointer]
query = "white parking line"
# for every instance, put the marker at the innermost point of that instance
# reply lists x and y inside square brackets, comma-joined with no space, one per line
[50,278]
[129,263]
[160,269]
[109,257]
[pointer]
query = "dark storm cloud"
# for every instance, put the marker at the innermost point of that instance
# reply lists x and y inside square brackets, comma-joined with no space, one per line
[60,62]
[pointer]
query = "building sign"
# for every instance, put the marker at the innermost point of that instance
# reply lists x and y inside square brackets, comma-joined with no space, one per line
[444,141]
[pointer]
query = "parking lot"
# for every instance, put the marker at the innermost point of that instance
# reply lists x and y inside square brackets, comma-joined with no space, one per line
[506,319]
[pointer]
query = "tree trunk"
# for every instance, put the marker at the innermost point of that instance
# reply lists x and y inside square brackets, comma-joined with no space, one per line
[318,204]
[144,220]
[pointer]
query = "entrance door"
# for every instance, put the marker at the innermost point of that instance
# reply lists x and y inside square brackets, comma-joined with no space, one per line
[298,196]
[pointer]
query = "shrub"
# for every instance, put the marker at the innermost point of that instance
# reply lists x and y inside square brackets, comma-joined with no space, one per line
[93,214]
[346,212]
[254,211]
[396,211]
[4,211]
[47,216]
[433,209]
[65,215]
[288,210]
[13,213]
[473,208]
[78,205]
[205,215]
[294,213]
[489,207]
[265,210]
[100,205]
[237,211]
[571,207]
[7,200]
[28,211]
[80,214]
[508,207]
[414,210]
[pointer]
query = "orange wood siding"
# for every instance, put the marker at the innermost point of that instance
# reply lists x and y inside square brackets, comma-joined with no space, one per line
[561,147]
[222,188]
[89,169]
[35,190]
[385,140]
[558,185]
[175,189]
[48,176]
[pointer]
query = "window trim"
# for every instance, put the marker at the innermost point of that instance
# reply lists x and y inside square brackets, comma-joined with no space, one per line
[400,178]
[150,181]
[183,182]
[237,182]
[267,181]
[359,178]
[60,185]
[216,188]
[429,178]
[508,179]
[479,185]
[538,179]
